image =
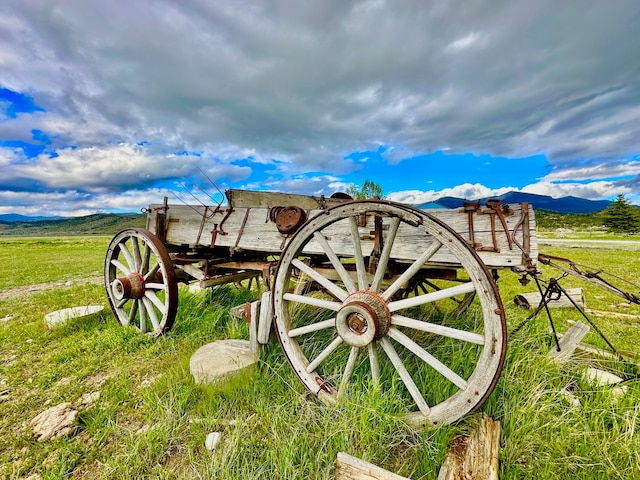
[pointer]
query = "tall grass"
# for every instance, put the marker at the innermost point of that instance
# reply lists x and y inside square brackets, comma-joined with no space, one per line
[151,419]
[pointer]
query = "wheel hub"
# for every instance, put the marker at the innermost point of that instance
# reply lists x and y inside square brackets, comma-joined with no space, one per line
[131,286]
[363,318]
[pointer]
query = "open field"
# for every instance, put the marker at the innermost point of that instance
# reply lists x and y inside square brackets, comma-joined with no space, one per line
[150,420]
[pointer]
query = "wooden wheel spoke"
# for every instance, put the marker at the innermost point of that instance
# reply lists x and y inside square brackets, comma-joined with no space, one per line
[156,301]
[405,376]
[421,353]
[153,316]
[136,254]
[386,253]
[335,261]
[432,296]
[363,281]
[401,321]
[314,327]
[155,286]
[120,267]
[325,282]
[348,369]
[132,312]
[314,302]
[152,272]
[411,271]
[143,315]
[127,255]
[373,363]
[324,354]
[146,255]
[122,303]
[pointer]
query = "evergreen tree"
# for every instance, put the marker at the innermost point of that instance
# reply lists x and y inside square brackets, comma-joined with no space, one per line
[621,216]
[369,189]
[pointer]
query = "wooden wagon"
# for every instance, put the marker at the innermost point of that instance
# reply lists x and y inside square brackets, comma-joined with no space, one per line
[358,292]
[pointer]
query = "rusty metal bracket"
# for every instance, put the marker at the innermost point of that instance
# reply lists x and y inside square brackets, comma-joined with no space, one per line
[495,205]
[204,218]
[241,231]
[217,227]
[470,208]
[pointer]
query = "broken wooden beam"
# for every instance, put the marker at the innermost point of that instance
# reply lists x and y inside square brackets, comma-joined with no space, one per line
[352,468]
[532,299]
[569,342]
[474,457]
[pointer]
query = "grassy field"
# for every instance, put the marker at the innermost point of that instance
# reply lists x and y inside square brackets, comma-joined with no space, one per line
[151,419]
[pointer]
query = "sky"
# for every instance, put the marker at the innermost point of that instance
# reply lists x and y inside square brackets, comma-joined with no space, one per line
[108,106]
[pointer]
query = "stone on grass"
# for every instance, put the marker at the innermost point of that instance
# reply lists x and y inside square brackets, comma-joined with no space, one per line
[60,317]
[220,359]
[212,440]
[604,378]
[54,422]
[88,399]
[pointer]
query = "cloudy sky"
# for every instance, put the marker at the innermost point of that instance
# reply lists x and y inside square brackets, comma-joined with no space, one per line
[111,105]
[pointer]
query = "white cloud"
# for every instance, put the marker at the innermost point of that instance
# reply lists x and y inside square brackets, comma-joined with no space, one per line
[467,190]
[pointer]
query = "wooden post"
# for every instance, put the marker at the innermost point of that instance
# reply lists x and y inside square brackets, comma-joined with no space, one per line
[569,342]
[352,468]
[474,457]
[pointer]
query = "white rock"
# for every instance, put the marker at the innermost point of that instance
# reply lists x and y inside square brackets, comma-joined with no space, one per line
[605,378]
[54,422]
[220,359]
[212,440]
[88,399]
[60,317]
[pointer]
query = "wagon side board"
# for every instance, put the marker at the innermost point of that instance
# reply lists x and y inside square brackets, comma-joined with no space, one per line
[250,228]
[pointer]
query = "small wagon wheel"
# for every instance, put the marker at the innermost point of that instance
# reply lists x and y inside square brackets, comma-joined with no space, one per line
[353,327]
[141,282]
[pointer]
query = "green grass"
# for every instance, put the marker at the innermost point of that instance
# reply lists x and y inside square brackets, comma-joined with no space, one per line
[151,419]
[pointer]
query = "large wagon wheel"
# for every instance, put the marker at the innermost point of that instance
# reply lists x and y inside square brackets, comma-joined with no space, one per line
[140,281]
[354,330]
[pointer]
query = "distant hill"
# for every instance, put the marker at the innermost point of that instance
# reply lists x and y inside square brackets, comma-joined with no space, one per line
[539,202]
[97,224]
[14,217]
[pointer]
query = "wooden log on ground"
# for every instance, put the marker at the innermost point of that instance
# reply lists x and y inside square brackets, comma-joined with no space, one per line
[474,457]
[568,342]
[532,299]
[621,316]
[352,468]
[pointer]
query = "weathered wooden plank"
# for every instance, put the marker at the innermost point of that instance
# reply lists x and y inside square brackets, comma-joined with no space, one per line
[266,318]
[474,457]
[222,279]
[532,299]
[569,342]
[352,468]
[253,326]
[251,198]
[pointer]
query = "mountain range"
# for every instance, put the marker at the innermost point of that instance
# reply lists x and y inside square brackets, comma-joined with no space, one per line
[539,202]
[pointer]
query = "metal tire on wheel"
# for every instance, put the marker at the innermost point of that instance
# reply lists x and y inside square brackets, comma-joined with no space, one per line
[141,282]
[354,329]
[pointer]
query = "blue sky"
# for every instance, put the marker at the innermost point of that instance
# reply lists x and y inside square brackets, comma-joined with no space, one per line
[110,106]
